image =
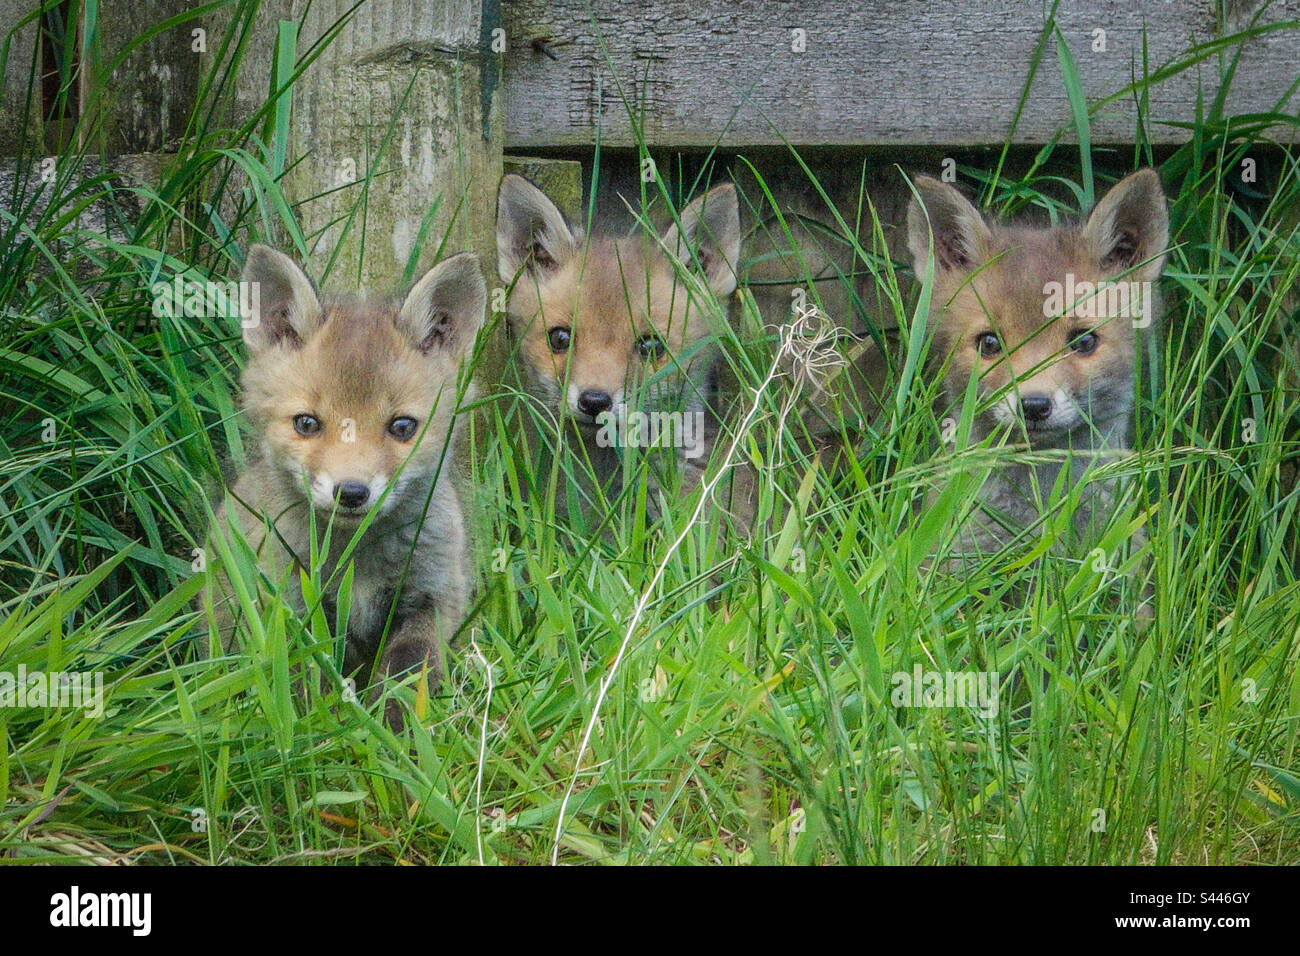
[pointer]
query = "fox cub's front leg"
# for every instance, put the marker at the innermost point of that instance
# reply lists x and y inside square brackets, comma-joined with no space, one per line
[417,646]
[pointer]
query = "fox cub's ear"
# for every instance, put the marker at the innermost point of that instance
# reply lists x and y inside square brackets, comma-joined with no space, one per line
[960,232]
[444,310]
[1128,230]
[710,226]
[531,233]
[285,307]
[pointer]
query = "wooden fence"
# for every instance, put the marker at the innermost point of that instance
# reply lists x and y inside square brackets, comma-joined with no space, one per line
[432,97]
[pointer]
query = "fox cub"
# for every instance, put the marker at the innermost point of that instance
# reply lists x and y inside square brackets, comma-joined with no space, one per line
[611,343]
[1047,320]
[354,406]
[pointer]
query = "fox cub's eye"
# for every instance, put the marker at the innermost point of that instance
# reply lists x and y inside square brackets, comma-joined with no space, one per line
[559,337]
[1084,341]
[307,425]
[988,344]
[403,428]
[651,347]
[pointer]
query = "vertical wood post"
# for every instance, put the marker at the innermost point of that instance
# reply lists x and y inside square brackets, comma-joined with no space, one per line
[396,136]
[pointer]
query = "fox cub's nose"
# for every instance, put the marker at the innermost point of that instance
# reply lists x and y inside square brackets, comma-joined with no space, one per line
[1035,408]
[351,494]
[592,402]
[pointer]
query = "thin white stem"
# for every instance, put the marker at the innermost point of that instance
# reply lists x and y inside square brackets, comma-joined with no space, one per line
[482,752]
[644,601]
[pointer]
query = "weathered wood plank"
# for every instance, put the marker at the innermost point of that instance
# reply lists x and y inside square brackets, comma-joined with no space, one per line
[142,106]
[560,179]
[25,191]
[395,139]
[149,98]
[18,111]
[887,72]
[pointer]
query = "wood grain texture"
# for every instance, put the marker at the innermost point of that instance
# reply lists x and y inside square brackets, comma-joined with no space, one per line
[149,98]
[18,113]
[404,97]
[111,214]
[888,72]
[560,179]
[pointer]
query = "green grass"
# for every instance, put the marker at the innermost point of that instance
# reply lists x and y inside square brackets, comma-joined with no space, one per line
[683,695]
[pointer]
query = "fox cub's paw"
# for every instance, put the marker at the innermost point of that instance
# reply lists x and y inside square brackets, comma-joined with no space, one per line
[408,656]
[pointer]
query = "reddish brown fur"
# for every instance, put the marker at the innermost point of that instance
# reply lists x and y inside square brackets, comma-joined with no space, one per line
[625,315]
[358,367]
[609,295]
[1016,287]
[1005,295]
[992,281]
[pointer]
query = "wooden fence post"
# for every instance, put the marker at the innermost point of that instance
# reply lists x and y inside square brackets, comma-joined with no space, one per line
[395,140]
[18,113]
